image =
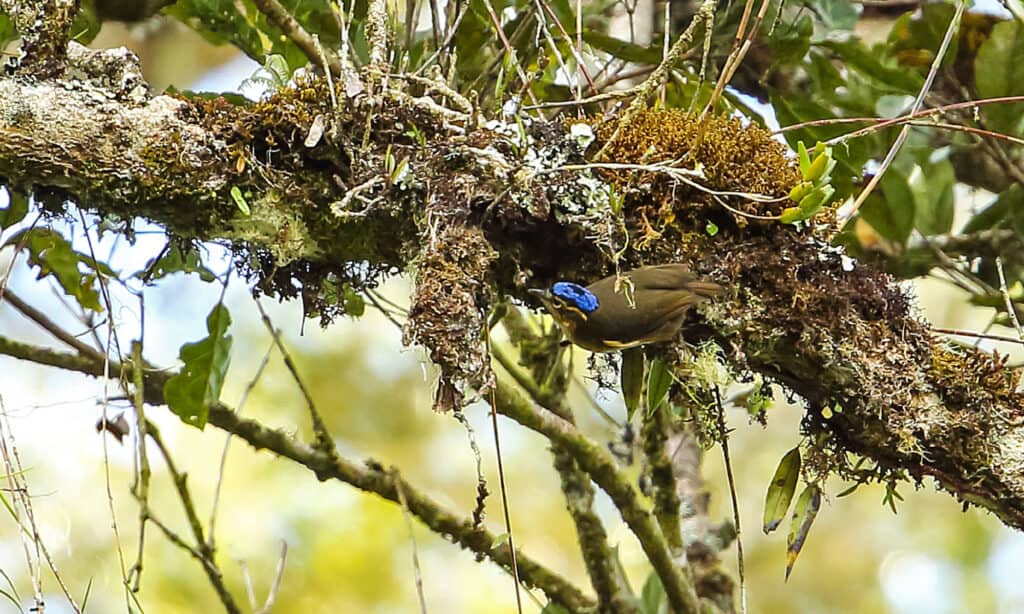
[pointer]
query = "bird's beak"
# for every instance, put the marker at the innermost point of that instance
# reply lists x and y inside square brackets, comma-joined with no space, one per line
[542,295]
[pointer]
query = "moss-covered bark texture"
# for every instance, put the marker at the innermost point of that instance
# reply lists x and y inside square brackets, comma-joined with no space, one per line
[342,190]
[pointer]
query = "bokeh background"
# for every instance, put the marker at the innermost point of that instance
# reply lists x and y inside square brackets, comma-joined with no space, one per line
[352,552]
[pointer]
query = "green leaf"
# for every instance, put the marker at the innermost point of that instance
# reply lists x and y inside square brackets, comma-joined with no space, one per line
[781,489]
[658,383]
[176,259]
[15,211]
[891,496]
[190,393]
[999,71]
[236,195]
[499,540]
[834,15]
[652,597]
[875,66]
[917,35]
[8,32]
[1007,208]
[823,73]
[632,379]
[241,24]
[850,157]
[623,50]
[933,198]
[354,303]
[53,255]
[711,229]
[804,158]
[892,216]
[85,27]
[554,608]
[791,215]
[803,517]
[790,44]
[812,203]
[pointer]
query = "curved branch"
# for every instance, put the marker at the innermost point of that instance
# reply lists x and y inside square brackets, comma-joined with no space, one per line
[370,477]
[601,468]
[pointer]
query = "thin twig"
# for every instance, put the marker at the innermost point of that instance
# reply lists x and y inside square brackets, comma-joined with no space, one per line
[143,472]
[23,499]
[367,476]
[415,553]
[724,430]
[968,333]
[594,404]
[17,250]
[201,551]
[611,588]
[1010,308]
[211,539]
[705,15]
[381,308]
[280,17]
[322,435]
[604,470]
[111,339]
[732,62]
[509,49]
[577,53]
[504,491]
[449,37]
[49,325]
[881,123]
[276,584]
[918,102]
[481,481]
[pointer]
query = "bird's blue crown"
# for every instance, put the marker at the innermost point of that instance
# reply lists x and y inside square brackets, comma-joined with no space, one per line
[576,295]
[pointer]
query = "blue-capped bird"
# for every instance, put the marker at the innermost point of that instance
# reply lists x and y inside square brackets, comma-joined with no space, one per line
[599,319]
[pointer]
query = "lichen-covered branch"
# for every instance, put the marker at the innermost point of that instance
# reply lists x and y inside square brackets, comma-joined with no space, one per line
[613,594]
[601,468]
[370,476]
[45,27]
[654,435]
[494,210]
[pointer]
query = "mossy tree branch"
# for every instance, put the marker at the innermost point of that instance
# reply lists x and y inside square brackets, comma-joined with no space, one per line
[613,594]
[843,338]
[601,467]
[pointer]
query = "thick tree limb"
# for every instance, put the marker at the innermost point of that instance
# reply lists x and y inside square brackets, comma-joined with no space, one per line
[843,338]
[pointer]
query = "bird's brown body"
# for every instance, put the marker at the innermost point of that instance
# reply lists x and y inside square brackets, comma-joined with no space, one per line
[661,294]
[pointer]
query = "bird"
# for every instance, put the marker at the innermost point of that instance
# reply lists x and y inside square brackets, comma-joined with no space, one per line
[600,319]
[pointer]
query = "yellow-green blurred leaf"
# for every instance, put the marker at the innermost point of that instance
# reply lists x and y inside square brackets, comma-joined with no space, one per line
[632,377]
[658,383]
[803,517]
[652,596]
[781,489]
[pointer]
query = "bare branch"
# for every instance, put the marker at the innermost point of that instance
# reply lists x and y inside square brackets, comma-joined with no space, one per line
[369,476]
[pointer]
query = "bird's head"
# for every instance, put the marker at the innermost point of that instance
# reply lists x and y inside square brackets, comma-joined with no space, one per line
[568,303]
